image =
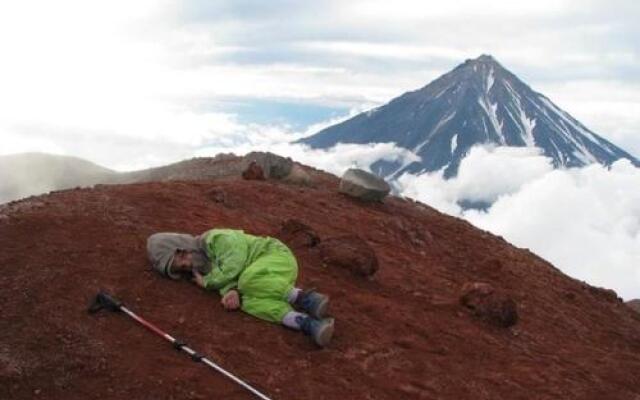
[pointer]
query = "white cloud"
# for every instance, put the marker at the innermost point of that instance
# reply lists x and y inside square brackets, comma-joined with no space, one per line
[488,173]
[408,10]
[586,221]
[277,139]
[485,174]
[389,50]
[342,156]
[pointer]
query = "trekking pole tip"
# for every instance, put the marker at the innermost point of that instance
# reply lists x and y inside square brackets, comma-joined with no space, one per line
[106,301]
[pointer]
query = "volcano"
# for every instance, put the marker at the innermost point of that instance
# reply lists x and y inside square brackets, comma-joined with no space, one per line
[402,333]
[477,103]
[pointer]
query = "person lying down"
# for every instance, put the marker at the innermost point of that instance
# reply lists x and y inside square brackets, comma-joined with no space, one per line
[254,274]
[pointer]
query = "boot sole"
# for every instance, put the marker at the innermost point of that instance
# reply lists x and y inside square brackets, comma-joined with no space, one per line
[326,333]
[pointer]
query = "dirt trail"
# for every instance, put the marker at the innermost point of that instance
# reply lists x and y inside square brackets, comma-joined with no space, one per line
[402,334]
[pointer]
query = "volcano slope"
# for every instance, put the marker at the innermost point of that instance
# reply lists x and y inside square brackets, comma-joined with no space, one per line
[400,334]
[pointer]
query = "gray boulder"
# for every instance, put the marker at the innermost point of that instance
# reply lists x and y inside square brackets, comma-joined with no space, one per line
[364,185]
[298,176]
[274,166]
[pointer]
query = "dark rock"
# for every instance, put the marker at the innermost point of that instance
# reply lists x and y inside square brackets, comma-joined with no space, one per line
[253,172]
[297,234]
[609,295]
[217,195]
[351,253]
[364,185]
[489,305]
[273,165]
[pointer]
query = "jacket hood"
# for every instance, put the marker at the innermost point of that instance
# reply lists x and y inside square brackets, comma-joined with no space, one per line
[161,247]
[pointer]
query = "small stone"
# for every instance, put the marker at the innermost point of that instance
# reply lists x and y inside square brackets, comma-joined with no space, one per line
[488,304]
[217,195]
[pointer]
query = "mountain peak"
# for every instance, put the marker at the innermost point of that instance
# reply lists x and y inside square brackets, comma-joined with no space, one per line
[481,66]
[477,103]
[485,58]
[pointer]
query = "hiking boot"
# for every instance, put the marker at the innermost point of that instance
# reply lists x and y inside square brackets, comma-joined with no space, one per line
[320,330]
[313,303]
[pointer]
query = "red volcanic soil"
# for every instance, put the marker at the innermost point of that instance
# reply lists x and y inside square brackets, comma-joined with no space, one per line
[402,334]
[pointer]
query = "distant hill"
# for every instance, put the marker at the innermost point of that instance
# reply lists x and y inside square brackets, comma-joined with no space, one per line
[26,174]
[478,102]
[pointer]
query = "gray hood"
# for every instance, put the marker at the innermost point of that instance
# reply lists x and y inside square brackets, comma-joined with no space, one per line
[161,248]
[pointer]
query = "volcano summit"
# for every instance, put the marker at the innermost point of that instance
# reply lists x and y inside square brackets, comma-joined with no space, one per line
[478,102]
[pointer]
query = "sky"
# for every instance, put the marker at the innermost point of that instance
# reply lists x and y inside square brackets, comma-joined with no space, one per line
[134,84]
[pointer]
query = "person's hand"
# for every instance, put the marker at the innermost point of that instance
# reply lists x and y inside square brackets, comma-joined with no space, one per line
[197,278]
[231,300]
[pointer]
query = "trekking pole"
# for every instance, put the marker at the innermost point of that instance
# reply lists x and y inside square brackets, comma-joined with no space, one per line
[108,302]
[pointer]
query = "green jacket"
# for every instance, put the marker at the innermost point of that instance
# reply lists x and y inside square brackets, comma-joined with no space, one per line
[231,252]
[263,270]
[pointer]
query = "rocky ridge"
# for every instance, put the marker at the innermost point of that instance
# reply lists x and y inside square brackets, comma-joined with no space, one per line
[416,321]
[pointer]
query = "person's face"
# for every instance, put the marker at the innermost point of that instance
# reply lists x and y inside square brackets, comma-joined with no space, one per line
[182,261]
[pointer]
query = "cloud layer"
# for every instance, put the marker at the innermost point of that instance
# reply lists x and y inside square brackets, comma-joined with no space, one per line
[586,221]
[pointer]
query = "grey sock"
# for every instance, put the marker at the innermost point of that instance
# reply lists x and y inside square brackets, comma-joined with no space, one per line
[290,319]
[293,294]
